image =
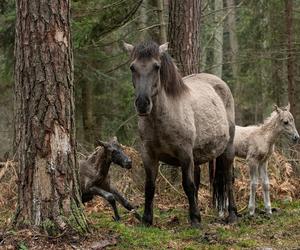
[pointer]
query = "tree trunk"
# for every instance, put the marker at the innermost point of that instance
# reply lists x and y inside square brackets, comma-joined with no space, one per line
[48,189]
[234,46]
[87,111]
[218,39]
[183,34]
[162,24]
[290,57]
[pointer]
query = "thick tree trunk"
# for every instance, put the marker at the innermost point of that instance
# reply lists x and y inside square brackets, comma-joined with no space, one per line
[290,57]
[183,34]
[87,111]
[218,39]
[162,24]
[48,191]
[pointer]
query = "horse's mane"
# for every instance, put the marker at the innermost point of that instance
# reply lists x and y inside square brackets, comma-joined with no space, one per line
[268,122]
[170,78]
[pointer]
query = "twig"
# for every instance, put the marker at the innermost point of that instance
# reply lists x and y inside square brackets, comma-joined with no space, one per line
[167,181]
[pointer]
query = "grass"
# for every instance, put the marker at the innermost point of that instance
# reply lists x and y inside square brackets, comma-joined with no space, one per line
[172,230]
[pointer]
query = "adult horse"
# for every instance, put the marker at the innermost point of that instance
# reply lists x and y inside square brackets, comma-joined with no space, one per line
[182,122]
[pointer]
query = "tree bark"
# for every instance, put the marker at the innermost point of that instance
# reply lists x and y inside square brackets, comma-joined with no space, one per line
[183,34]
[162,24]
[48,189]
[290,57]
[234,45]
[218,39]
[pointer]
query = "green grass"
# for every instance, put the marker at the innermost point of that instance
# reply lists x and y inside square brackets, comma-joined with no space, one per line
[172,230]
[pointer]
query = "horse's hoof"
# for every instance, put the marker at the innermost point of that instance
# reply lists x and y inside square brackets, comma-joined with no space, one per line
[232,218]
[147,222]
[116,218]
[196,224]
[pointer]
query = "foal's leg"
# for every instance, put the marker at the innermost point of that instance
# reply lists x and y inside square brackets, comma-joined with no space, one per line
[265,185]
[107,196]
[253,165]
[151,170]
[125,203]
[187,166]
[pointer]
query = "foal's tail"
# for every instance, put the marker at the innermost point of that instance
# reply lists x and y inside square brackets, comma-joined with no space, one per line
[217,178]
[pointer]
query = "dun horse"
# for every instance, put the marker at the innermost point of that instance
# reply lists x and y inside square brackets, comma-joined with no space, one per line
[94,175]
[255,143]
[182,122]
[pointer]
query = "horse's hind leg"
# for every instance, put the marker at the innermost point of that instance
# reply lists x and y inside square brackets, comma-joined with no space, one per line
[265,185]
[224,182]
[189,187]
[253,185]
[197,175]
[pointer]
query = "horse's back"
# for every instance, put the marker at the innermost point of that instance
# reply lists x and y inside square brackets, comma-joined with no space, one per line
[242,140]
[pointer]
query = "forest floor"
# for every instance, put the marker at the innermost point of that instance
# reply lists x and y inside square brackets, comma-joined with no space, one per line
[172,231]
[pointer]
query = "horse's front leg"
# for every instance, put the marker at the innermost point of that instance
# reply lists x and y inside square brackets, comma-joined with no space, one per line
[253,165]
[265,185]
[187,166]
[151,170]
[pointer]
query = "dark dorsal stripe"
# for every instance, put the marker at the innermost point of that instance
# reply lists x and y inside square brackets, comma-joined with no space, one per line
[170,78]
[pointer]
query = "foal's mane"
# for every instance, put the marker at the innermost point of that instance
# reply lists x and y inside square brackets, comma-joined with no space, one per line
[170,78]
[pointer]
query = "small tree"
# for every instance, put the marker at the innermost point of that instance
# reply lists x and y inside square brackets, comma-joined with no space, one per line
[48,191]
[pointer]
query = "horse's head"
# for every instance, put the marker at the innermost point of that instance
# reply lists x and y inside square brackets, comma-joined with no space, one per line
[145,69]
[287,123]
[116,153]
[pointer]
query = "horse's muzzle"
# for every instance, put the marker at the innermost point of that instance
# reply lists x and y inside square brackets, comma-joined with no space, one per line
[295,138]
[142,105]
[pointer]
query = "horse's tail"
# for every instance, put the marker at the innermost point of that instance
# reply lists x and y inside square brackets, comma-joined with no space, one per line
[217,176]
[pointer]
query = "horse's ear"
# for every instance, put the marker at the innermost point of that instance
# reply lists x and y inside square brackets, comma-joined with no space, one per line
[128,47]
[114,140]
[163,48]
[277,109]
[288,107]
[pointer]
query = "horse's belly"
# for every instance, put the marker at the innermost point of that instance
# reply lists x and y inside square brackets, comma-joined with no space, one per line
[210,150]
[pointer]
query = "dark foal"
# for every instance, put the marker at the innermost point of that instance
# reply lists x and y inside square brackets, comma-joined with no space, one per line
[94,177]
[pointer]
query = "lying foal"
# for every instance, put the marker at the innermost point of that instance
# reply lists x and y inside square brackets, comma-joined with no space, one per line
[255,144]
[94,177]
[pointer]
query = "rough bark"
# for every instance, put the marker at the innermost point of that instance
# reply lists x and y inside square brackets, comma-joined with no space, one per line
[162,24]
[290,57]
[218,39]
[48,191]
[183,34]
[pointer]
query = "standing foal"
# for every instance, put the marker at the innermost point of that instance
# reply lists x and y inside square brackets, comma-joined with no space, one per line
[256,143]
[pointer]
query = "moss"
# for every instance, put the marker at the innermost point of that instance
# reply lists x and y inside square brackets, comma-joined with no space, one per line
[77,219]
[50,227]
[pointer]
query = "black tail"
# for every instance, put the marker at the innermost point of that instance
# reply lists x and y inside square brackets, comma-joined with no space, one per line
[217,175]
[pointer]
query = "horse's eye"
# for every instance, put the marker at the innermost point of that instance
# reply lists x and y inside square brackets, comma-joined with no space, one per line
[156,66]
[132,68]
[286,122]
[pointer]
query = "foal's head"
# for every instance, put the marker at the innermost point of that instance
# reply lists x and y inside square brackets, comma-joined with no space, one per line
[287,123]
[116,153]
[152,70]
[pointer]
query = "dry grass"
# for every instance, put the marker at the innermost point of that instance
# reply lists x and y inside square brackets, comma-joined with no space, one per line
[283,180]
